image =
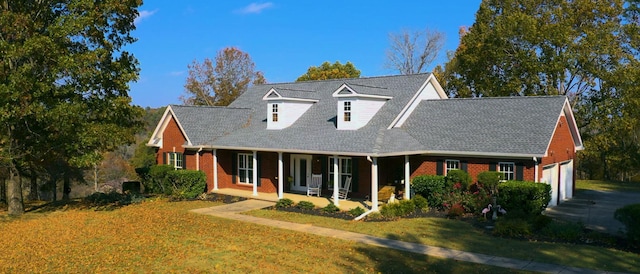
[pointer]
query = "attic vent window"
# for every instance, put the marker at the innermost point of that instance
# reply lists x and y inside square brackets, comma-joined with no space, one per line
[274,112]
[347,111]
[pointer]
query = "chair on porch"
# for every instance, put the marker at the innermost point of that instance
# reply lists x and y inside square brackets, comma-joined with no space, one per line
[344,191]
[315,187]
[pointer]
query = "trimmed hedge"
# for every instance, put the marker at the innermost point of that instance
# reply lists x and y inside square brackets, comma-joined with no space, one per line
[458,176]
[157,180]
[524,199]
[431,187]
[187,183]
[629,215]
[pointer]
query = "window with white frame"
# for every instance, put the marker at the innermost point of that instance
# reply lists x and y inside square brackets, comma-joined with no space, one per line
[345,170]
[175,159]
[451,165]
[245,168]
[508,170]
[347,111]
[274,112]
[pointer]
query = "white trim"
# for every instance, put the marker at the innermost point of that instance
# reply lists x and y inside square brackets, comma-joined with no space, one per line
[446,165]
[536,178]
[567,112]
[162,125]
[267,97]
[374,183]
[269,93]
[336,94]
[407,177]
[280,176]
[215,169]
[255,173]
[413,103]
[336,181]
[513,172]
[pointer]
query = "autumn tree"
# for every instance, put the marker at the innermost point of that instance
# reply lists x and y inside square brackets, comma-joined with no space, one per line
[330,71]
[64,81]
[586,50]
[220,84]
[413,52]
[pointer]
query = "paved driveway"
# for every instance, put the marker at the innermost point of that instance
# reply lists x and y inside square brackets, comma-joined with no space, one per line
[595,209]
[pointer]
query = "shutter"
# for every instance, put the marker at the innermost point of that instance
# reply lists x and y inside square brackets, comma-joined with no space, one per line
[463,166]
[492,166]
[234,167]
[164,158]
[184,159]
[439,167]
[324,161]
[258,168]
[355,174]
[519,171]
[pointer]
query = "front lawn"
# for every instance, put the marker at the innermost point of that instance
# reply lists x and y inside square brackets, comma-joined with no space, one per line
[161,236]
[607,185]
[461,235]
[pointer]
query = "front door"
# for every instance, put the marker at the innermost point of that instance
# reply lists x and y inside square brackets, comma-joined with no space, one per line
[300,172]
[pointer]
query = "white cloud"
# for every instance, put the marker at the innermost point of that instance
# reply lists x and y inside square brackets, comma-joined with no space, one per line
[143,14]
[255,8]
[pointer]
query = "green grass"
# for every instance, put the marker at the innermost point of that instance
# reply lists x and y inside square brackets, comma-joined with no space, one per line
[158,237]
[607,185]
[463,236]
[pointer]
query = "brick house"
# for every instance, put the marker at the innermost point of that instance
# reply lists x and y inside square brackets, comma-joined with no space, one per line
[377,131]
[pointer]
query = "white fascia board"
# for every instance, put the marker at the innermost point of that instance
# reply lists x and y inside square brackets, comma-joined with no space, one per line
[162,125]
[271,92]
[291,99]
[343,86]
[407,109]
[357,95]
[573,125]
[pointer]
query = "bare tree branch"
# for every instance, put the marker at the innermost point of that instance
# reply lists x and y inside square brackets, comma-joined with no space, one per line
[413,52]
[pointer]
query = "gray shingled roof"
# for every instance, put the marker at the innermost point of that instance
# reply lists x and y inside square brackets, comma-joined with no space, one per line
[514,125]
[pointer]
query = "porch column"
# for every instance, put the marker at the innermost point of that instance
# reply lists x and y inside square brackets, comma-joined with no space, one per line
[535,170]
[407,178]
[374,183]
[336,181]
[255,173]
[215,169]
[280,176]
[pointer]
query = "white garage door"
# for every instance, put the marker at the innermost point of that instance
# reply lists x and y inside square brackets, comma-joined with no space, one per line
[550,176]
[566,177]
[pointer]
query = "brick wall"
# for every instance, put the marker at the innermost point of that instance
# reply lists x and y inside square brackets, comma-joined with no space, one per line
[426,165]
[172,140]
[561,148]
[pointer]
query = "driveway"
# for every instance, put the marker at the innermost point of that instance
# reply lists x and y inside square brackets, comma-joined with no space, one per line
[595,209]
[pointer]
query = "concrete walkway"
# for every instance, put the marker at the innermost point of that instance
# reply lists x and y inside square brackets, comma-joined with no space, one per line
[230,211]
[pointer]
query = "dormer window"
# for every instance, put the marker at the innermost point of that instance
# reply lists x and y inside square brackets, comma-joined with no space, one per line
[274,113]
[347,111]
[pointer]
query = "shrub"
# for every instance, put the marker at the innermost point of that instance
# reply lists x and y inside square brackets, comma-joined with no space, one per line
[563,231]
[512,228]
[420,202]
[456,210]
[284,202]
[399,209]
[187,184]
[158,181]
[629,215]
[459,179]
[540,222]
[306,205]
[490,180]
[431,187]
[330,208]
[356,211]
[524,199]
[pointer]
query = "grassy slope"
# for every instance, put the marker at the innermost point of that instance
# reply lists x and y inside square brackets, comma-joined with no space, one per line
[607,185]
[158,236]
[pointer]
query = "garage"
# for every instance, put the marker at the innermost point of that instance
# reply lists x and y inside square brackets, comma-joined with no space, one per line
[550,176]
[566,180]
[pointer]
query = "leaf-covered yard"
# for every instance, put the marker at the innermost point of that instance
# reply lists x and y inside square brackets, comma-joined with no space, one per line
[161,236]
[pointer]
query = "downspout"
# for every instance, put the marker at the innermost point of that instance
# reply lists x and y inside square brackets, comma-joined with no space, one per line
[535,169]
[198,158]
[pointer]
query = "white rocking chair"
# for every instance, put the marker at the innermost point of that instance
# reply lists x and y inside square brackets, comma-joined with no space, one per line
[344,191]
[315,187]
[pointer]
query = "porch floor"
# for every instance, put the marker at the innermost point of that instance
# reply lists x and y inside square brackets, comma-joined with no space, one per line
[321,201]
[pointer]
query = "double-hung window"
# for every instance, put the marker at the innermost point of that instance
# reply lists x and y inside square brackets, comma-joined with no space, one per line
[451,165]
[508,170]
[347,111]
[274,112]
[175,159]
[345,170]
[245,168]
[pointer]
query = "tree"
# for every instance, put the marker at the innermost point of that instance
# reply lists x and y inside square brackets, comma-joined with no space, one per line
[413,52]
[585,49]
[330,71]
[64,77]
[219,85]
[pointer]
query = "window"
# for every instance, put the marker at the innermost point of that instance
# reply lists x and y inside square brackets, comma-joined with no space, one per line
[451,165]
[274,112]
[345,169]
[245,168]
[347,111]
[175,159]
[508,170]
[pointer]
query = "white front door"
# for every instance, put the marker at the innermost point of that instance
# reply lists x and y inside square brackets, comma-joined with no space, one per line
[300,172]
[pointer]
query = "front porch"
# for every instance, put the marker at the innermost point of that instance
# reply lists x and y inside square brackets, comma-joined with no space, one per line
[322,201]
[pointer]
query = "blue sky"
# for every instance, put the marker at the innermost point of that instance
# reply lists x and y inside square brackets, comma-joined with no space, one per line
[284,38]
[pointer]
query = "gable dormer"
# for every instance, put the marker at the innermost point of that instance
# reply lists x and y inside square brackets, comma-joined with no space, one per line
[283,111]
[355,109]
